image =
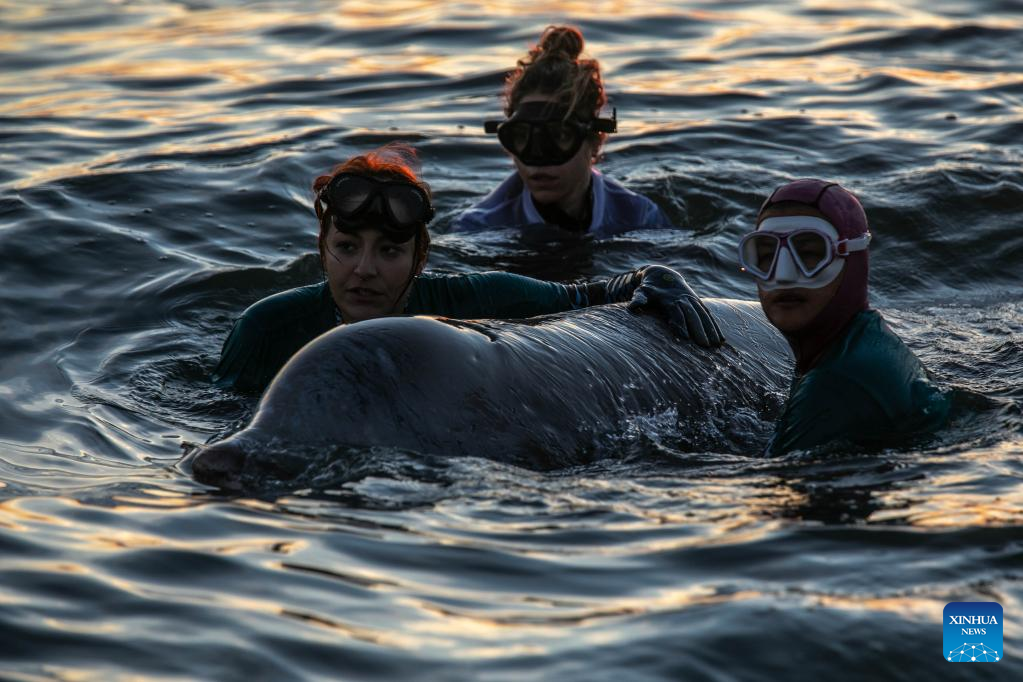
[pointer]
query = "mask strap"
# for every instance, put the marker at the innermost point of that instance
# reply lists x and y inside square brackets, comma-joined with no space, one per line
[847,246]
[411,275]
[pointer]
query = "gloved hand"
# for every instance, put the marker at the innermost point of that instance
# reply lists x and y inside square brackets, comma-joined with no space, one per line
[666,292]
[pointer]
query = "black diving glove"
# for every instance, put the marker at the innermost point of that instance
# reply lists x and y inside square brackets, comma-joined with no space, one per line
[666,292]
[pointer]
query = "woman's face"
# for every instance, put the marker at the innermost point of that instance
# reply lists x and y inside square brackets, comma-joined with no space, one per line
[792,308]
[564,185]
[367,272]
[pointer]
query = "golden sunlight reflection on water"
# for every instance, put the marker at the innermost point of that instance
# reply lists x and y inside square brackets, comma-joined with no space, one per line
[227,46]
[165,68]
[960,500]
[477,562]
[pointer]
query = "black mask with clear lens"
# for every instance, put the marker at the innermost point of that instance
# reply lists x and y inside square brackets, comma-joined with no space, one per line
[541,134]
[402,206]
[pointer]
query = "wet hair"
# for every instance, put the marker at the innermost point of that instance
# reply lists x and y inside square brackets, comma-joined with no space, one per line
[390,162]
[554,68]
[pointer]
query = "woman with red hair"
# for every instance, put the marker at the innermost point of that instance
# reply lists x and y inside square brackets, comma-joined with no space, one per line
[373,241]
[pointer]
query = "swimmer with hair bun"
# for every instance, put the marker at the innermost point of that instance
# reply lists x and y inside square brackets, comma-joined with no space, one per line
[554,133]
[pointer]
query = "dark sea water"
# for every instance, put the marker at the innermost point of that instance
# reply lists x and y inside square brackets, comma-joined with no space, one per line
[156,164]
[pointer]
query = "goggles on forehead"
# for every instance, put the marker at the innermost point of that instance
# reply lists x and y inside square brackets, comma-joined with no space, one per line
[539,134]
[403,205]
[807,244]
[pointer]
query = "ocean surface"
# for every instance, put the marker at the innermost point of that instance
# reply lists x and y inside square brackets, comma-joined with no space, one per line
[156,159]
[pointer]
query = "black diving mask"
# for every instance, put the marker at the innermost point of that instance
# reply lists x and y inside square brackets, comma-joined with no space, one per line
[352,198]
[540,134]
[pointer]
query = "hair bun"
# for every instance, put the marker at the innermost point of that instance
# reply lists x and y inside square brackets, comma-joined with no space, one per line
[555,68]
[565,40]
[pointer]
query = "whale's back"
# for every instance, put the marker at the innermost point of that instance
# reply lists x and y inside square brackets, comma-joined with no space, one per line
[515,389]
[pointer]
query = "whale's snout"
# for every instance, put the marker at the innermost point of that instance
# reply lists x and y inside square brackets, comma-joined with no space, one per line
[219,464]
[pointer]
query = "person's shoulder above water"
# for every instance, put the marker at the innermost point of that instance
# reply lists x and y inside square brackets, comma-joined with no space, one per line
[616,209]
[872,354]
[501,208]
[286,308]
[869,389]
[623,209]
[269,332]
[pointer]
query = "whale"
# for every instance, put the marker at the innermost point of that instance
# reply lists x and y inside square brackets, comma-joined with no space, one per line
[541,392]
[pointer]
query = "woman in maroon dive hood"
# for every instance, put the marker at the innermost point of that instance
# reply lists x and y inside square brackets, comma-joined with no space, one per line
[855,379]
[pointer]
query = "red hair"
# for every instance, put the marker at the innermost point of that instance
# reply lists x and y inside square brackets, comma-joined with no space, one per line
[391,162]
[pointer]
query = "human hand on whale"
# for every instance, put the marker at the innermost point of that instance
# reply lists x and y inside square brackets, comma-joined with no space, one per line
[665,291]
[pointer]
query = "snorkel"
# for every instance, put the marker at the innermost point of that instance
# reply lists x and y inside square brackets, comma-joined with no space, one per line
[844,214]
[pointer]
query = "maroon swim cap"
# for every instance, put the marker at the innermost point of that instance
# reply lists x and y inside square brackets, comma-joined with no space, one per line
[839,206]
[844,211]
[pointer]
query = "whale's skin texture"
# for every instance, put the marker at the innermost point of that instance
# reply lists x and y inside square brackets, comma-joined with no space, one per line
[536,392]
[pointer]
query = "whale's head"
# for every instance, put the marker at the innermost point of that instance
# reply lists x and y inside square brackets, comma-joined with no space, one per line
[220,464]
[249,460]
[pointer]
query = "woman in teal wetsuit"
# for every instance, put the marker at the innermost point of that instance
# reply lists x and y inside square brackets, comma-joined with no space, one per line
[373,243]
[855,379]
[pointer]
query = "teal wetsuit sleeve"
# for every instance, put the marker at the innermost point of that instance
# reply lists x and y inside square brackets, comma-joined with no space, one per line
[490,295]
[827,408]
[506,295]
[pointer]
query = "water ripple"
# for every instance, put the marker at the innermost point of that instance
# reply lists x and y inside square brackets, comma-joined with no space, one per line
[158,159]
